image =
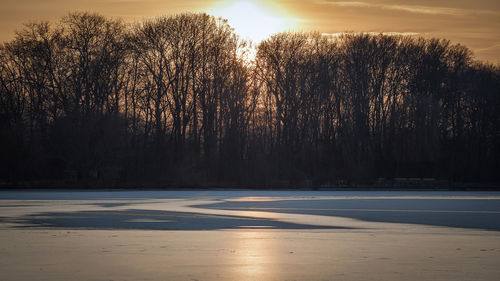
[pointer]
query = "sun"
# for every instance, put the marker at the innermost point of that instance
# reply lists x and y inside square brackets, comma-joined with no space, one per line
[252,19]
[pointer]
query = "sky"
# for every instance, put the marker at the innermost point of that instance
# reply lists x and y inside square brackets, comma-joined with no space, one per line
[475,24]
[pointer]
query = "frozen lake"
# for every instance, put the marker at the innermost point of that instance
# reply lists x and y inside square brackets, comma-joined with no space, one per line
[249,235]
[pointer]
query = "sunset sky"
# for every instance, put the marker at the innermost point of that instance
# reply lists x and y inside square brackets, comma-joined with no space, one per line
[475,24]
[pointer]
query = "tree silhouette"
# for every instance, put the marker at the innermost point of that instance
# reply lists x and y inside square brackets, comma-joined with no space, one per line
[92,101]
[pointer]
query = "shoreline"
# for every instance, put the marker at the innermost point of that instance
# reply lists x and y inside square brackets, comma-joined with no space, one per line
[228,187]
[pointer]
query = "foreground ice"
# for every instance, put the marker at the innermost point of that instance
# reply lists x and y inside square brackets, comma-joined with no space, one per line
[246,235]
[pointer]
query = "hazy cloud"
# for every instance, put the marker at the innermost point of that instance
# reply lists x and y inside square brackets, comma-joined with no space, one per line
[429,10]
[337,34]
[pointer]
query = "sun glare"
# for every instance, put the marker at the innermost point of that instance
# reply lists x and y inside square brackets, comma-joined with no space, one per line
[252,19]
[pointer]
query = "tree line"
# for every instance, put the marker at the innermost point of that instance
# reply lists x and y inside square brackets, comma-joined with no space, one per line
[182,100]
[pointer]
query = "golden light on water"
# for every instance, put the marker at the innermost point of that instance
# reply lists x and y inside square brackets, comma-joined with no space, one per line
[254,20]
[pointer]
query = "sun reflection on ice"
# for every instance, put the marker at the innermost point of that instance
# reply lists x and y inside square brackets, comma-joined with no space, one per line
[253,254]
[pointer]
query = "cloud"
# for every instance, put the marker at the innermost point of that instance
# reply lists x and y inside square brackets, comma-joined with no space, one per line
[489,53]
[337,34]
[489,48]
[350,4]
[428,10]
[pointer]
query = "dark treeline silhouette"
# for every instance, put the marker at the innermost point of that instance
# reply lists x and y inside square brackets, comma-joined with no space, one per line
[176,101]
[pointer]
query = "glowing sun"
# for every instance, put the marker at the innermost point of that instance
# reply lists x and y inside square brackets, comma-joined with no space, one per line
[252,19]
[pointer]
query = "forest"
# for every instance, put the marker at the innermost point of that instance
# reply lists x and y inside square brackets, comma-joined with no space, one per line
[183,101]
